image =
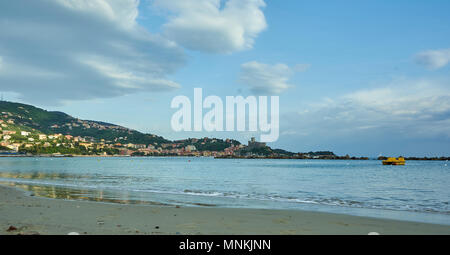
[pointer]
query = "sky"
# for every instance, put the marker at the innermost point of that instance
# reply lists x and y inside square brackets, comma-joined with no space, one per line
[364,78]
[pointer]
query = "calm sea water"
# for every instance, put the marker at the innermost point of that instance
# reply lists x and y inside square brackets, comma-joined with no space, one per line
[419,191]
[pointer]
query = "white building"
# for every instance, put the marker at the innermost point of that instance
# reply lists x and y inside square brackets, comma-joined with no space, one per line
[24,133]
[14,146]
[190,148]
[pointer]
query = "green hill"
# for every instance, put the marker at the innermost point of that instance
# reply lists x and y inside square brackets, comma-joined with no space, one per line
[30,118]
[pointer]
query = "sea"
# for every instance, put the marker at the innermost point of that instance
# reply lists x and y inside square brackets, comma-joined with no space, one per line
[418,191]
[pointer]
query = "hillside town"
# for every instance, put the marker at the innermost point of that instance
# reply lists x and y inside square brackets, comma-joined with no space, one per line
[29,143]
[21,142]
[19,136]
[29,131]
[17,139]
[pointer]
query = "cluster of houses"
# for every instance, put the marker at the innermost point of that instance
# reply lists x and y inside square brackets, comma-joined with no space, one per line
[9,139]
[15,140]
[181,149]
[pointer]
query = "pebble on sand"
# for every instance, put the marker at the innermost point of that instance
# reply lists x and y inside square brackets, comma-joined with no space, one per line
[11,228]
[73,234]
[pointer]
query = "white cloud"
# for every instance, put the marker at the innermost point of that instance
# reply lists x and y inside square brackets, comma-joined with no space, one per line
[123,13]
[266,79]
[433,59]
[418,108]
[213,26]
[56,50]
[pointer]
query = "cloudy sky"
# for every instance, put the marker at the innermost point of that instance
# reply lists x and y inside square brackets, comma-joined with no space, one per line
[356,77]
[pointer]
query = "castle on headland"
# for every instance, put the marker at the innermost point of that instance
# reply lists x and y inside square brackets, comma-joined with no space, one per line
[253,144]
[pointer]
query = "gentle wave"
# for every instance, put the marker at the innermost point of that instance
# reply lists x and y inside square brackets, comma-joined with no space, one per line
[334,201]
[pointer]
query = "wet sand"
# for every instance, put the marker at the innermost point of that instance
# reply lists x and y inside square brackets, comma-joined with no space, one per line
[35,215]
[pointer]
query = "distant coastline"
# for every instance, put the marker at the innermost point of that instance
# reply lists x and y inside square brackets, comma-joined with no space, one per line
[216,157]
[28,131]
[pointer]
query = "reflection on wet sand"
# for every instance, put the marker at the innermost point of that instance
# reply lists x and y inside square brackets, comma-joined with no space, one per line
[40,176]
[88,194]
[80,194]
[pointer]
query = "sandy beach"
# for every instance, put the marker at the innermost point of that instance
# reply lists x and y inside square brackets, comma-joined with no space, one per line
[34,215]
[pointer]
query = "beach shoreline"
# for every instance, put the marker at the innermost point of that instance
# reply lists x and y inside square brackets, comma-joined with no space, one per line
[36,215]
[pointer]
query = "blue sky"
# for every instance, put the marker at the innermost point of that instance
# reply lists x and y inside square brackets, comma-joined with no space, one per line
[363,77]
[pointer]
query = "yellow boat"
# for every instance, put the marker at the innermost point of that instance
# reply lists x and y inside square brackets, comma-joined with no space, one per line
[394,161]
